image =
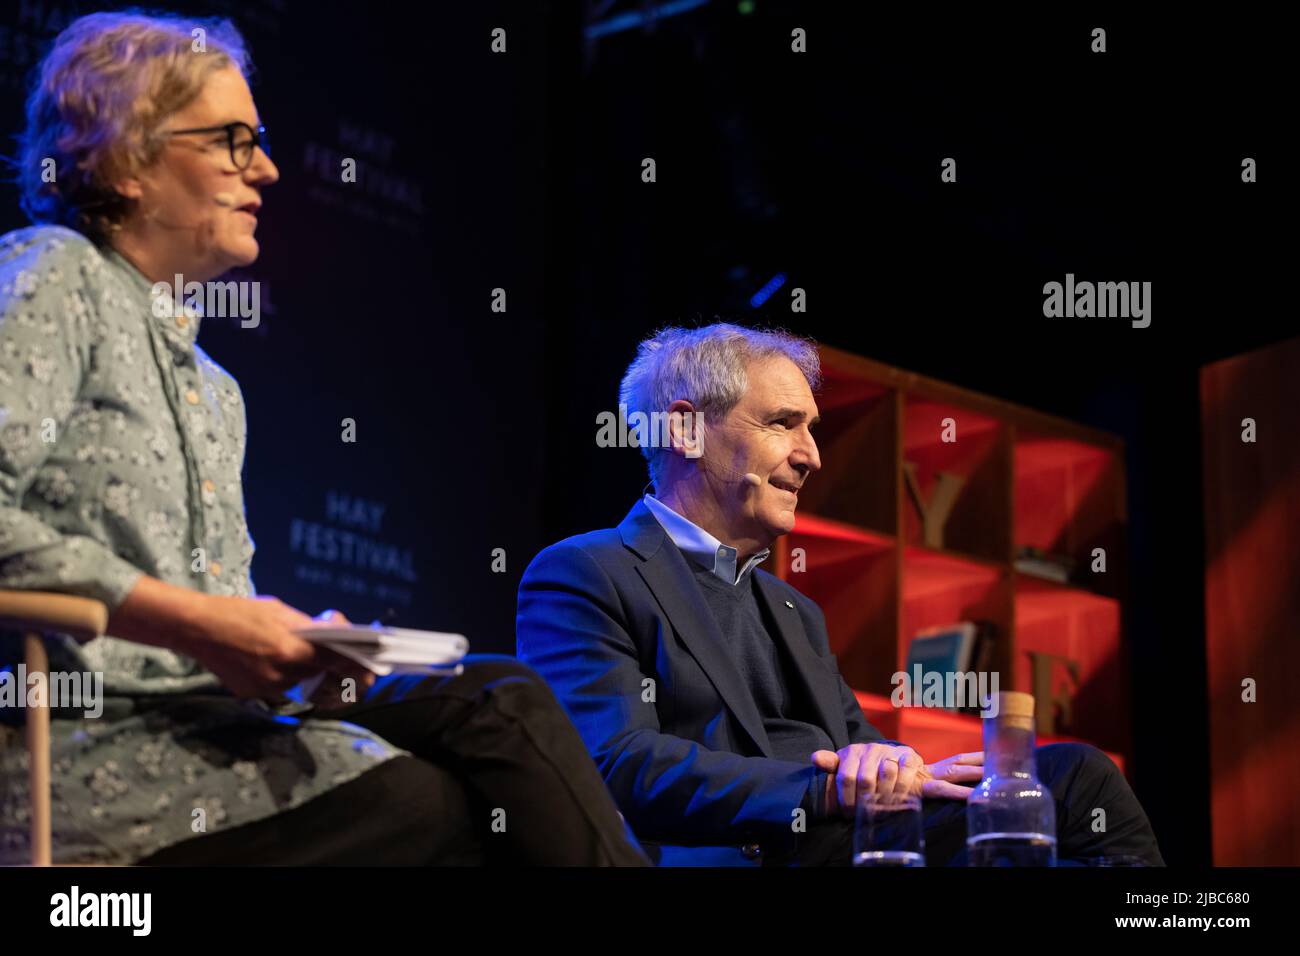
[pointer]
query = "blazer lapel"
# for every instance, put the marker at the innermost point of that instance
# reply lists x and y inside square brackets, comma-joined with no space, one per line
[809,670]
[669,578]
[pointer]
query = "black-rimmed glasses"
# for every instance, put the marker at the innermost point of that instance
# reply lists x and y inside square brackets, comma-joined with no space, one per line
[240,137]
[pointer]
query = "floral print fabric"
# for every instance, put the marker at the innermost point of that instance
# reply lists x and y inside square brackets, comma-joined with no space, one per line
[121,448]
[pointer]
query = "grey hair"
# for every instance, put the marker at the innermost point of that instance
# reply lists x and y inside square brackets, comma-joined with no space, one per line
[706,367]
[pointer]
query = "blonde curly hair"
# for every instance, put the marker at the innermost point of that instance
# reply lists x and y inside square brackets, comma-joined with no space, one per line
[98,103]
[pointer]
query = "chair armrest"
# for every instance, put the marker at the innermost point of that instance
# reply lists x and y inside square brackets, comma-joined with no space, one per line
[84,618]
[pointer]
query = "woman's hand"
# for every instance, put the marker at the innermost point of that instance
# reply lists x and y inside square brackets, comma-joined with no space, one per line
[941,778]
[329,694]
[250,645]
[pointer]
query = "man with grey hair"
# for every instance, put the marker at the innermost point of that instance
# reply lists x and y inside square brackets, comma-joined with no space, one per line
[703,687]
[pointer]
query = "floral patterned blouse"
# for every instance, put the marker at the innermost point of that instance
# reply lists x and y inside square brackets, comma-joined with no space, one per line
[121,445]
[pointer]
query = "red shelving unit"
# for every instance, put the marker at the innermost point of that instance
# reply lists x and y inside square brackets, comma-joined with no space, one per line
[1028,479]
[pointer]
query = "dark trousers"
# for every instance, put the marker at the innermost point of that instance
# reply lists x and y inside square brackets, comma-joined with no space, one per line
[498,774]
[1081,779]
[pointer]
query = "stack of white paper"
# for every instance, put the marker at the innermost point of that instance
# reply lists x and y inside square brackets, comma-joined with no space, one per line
[392,650]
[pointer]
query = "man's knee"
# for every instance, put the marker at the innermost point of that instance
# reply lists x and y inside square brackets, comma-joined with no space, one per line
[502,674]
[500,666]
[1073,757]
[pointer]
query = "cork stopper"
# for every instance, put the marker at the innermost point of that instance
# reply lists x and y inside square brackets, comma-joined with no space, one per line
[1016,703]
[1016,709]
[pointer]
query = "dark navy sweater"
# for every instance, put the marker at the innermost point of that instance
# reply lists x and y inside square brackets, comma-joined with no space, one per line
[763,667]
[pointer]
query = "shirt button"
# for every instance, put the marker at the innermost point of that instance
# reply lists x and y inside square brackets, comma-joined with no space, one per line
[192,397]
[208,486]
[182,320]
[751,851]
[215,568]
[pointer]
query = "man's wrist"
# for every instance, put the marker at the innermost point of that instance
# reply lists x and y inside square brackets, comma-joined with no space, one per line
[818,798]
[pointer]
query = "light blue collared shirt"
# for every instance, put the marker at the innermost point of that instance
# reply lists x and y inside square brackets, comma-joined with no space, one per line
[703,548]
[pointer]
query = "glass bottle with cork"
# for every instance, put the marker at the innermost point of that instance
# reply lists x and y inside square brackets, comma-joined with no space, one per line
[1010,814]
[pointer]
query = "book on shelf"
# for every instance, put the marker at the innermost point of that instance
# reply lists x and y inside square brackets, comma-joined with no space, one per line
[959,648]
[1039,564]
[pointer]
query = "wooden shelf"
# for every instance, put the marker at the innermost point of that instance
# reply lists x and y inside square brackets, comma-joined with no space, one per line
[1037,599]
[1069,500]
[1082,627]
[1028,479]
[944,438]
[931,568]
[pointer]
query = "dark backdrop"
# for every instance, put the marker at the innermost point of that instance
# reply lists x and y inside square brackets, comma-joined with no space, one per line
[375,300]
[1119,166]
[522,171]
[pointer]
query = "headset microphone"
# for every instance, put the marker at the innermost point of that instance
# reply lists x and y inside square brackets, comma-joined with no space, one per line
[726,474]
[224,199]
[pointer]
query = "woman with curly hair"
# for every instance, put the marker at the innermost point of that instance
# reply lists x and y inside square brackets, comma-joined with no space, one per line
[121,447]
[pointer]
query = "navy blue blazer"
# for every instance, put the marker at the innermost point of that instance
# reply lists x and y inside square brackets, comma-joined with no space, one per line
[616,623]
